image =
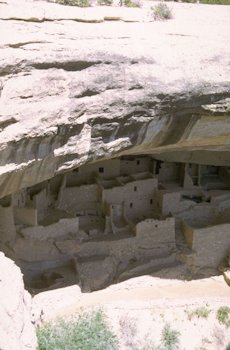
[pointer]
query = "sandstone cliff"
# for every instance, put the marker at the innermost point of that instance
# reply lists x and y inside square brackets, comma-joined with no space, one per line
[16,329]
[74,92]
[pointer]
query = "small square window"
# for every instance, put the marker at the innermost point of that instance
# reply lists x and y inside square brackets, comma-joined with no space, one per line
[135,188]
[101,170]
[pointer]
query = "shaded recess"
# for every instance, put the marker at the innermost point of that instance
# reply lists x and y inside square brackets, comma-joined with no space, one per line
[111,220]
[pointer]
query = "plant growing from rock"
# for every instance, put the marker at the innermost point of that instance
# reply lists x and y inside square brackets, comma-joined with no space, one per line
[131,3]
[200,312]
[223,315]
[170,338]
[161,11]
[128,329]
[105,2]
[218,336]
[79,3]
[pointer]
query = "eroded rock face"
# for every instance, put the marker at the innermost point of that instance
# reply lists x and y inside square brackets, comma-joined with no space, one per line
[16,329]
[73,93]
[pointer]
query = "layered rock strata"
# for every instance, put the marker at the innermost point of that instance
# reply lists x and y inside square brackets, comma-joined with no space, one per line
[72,93]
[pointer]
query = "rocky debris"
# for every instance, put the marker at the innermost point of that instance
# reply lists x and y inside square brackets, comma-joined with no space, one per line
[47,303]
[16,329]
[96,272]
[73,93]
[150,266]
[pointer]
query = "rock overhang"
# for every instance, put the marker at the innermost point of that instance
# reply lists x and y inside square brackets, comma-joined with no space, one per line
[73,93]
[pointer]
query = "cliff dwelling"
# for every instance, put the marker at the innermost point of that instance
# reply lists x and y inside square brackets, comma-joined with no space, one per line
[114,219]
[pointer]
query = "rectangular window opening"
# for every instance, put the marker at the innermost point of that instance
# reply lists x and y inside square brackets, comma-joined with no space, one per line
[101,170]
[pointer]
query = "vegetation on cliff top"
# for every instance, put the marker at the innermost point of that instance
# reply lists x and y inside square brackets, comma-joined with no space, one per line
[94,331]
[132,3]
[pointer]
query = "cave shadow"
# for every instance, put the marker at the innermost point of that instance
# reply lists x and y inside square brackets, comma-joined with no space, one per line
[67,275]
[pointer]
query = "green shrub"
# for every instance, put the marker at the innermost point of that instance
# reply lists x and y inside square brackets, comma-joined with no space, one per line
[161,11]
[105,2]
[223,315]
[200,312]
[79,3]
[169,337]
[131,3]
[90,331]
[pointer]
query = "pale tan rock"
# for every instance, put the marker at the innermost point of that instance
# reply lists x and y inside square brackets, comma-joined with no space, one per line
[226,274]
[75,92]
[16,329]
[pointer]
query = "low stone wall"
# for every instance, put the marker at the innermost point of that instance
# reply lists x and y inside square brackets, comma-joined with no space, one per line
[7,228]
[150,232]
[210,244]
[61,228]
[26,216]
[72,199]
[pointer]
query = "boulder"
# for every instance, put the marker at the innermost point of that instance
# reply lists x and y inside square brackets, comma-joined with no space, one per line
[16,329]
[226,274]
[96,272]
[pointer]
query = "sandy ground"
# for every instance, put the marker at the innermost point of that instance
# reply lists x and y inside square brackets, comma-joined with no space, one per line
[153,290]
[138,310]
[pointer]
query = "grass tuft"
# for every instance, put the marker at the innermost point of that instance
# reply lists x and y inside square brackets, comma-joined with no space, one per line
[169,338]
[223,315]
[200,312]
